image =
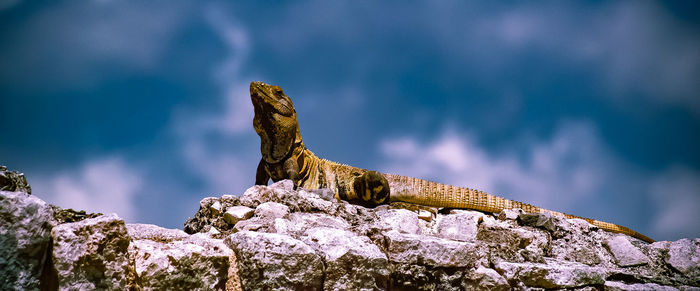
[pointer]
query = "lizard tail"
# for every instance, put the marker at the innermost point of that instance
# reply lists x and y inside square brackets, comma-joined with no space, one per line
[422,192]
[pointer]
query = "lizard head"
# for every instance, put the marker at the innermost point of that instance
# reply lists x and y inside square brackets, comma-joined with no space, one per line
[275,121]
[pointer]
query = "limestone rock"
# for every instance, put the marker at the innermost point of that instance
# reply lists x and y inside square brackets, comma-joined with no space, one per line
[13,181]
[684,256]
[619,286]
[462,225]
[510,214]
[510,243]
[25,233]
[169,259]
[93,254]
[439,252]
[485,279]
[625,253]
[553,274]
[401,220]
[210,215]
[275,261]
[352,262]
[235,214]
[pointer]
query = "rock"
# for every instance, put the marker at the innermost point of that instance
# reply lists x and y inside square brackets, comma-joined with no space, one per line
[275,261]
[271,210]
[13,181]
[684,256]
[510,243]
[205,218]
[619,286]
[93,254]
[542,220]
[61,215]
[25,233]
[237,213]
[485,279]
[352,262]
[169,259]
[553,274]
[626,254]
[401,220]
[510,214]
[439,252]
[460,226]
[215,208]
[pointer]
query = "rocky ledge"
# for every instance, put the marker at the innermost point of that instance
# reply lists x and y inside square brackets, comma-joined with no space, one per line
[275,237]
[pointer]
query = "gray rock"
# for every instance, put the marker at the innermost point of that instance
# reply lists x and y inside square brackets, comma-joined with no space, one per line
[209,215]
[542,220]
[93,254]
[275,261]
[510,243]
[619,286]
[235,214]
[25,232]
[271,210]
[510,214]
[626,254]
[215,208]
[13,181]
[485,279]
[553,274]
[460,226]
[417,249]
[684,256]
[142,231]
[169,259]
[401,220]
[352,262]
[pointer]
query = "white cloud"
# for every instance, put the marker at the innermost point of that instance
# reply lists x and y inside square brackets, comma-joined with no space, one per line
[238,110]
[224,169]
[676,196]
[106,185]
[568,163]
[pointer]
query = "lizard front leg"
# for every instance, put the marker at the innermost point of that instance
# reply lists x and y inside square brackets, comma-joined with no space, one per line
[291,169]
[372,188]
[262,175]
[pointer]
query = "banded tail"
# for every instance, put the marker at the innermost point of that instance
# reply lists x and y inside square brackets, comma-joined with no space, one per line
[418,191]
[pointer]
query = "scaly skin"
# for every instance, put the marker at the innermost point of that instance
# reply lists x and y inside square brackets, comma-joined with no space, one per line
[284,156]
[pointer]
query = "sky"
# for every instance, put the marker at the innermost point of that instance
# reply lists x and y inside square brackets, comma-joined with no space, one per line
[142,107]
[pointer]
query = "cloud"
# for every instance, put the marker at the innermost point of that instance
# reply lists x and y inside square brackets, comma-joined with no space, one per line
[7,4]
[676,196]
[106,185]
[637,46]
[238,109]
[211,142]
[568,163]
[562,173]
[69,43]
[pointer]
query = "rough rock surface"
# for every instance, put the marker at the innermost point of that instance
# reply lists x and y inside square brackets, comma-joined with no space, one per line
[13,181]
[93,254]
[300,239]
[25,234]
[170,259]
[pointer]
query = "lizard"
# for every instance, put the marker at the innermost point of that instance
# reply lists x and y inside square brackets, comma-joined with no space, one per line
[284,156]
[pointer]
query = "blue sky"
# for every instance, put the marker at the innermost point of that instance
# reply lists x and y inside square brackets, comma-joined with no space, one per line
[142,108]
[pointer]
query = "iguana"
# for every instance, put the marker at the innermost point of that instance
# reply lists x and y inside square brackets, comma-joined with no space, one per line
[284,156]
